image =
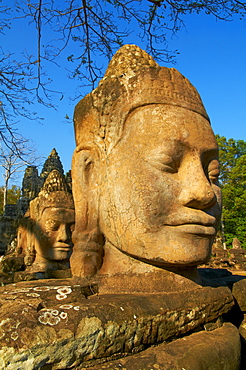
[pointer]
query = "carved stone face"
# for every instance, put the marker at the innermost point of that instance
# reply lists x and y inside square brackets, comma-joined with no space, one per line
[54,241]
[160,201]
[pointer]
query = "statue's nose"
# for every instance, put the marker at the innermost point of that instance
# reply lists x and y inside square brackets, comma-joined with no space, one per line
[62,233]
[196,190]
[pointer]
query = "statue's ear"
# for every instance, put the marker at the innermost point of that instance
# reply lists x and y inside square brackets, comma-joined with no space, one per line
[86,258]
[30,240]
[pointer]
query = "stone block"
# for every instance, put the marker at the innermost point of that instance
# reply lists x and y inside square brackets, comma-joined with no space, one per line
[221,253]
[216,350]
[63,324]
[237,252]
[239,292]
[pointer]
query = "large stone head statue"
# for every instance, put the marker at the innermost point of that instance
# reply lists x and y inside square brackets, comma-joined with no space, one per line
[47,236]
[145,171]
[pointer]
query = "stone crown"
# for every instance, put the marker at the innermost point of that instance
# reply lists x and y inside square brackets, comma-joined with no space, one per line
[54,193]
[133,79]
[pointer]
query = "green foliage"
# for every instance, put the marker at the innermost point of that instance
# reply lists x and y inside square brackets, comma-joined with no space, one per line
[14,194]
[233,182]
[229,151]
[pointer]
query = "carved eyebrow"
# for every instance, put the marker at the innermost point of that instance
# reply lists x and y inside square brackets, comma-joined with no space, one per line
[171,147]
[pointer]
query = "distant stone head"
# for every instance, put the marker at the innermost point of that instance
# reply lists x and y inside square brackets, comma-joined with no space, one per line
[46,239]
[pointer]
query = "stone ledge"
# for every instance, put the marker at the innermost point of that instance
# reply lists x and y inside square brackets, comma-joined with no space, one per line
[217,350]
[239,292]
[52,323]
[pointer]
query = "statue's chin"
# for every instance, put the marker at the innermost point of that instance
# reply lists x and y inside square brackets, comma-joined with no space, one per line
[182,252]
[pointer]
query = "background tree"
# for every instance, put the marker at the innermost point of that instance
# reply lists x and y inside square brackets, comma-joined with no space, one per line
[229,151]
[13,158]
[86,31]
[14,193]
[233,182]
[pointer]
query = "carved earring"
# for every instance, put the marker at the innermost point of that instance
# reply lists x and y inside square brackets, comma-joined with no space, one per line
[87,255]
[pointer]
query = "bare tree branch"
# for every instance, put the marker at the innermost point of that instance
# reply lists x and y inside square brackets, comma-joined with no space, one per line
[93,30]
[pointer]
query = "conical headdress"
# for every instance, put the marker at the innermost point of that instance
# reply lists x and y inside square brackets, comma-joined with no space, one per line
[54,193]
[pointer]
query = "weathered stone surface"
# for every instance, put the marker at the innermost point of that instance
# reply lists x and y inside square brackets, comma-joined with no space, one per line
[223,257]
[31,183]
[53,162]
[31,186]
[8,226]
[51,322]
[239,292]
[45,234]
[236,243]
[149,282]
[148,205]
[144,172]
[49,274]
[216,350]
[44,239]
[242,328]
[12,264]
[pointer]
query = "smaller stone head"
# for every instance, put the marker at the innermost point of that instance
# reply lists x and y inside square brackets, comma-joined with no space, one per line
[48,235]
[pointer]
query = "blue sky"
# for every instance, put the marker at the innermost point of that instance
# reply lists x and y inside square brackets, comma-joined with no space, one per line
[212,56]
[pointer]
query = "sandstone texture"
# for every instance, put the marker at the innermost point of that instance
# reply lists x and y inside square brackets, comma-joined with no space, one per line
[216,350]
[144,172]
[147,207]
[62,324]
[44,237]
[239,292]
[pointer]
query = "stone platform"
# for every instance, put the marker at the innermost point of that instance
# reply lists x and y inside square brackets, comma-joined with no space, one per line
[69,324]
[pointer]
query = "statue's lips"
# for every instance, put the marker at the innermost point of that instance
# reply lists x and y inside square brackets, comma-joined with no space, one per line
[199,225]
[196,229]
[62,247]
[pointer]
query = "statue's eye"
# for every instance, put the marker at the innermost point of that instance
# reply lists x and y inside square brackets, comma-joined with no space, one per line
[214,170]
[164,163]
[51,225]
